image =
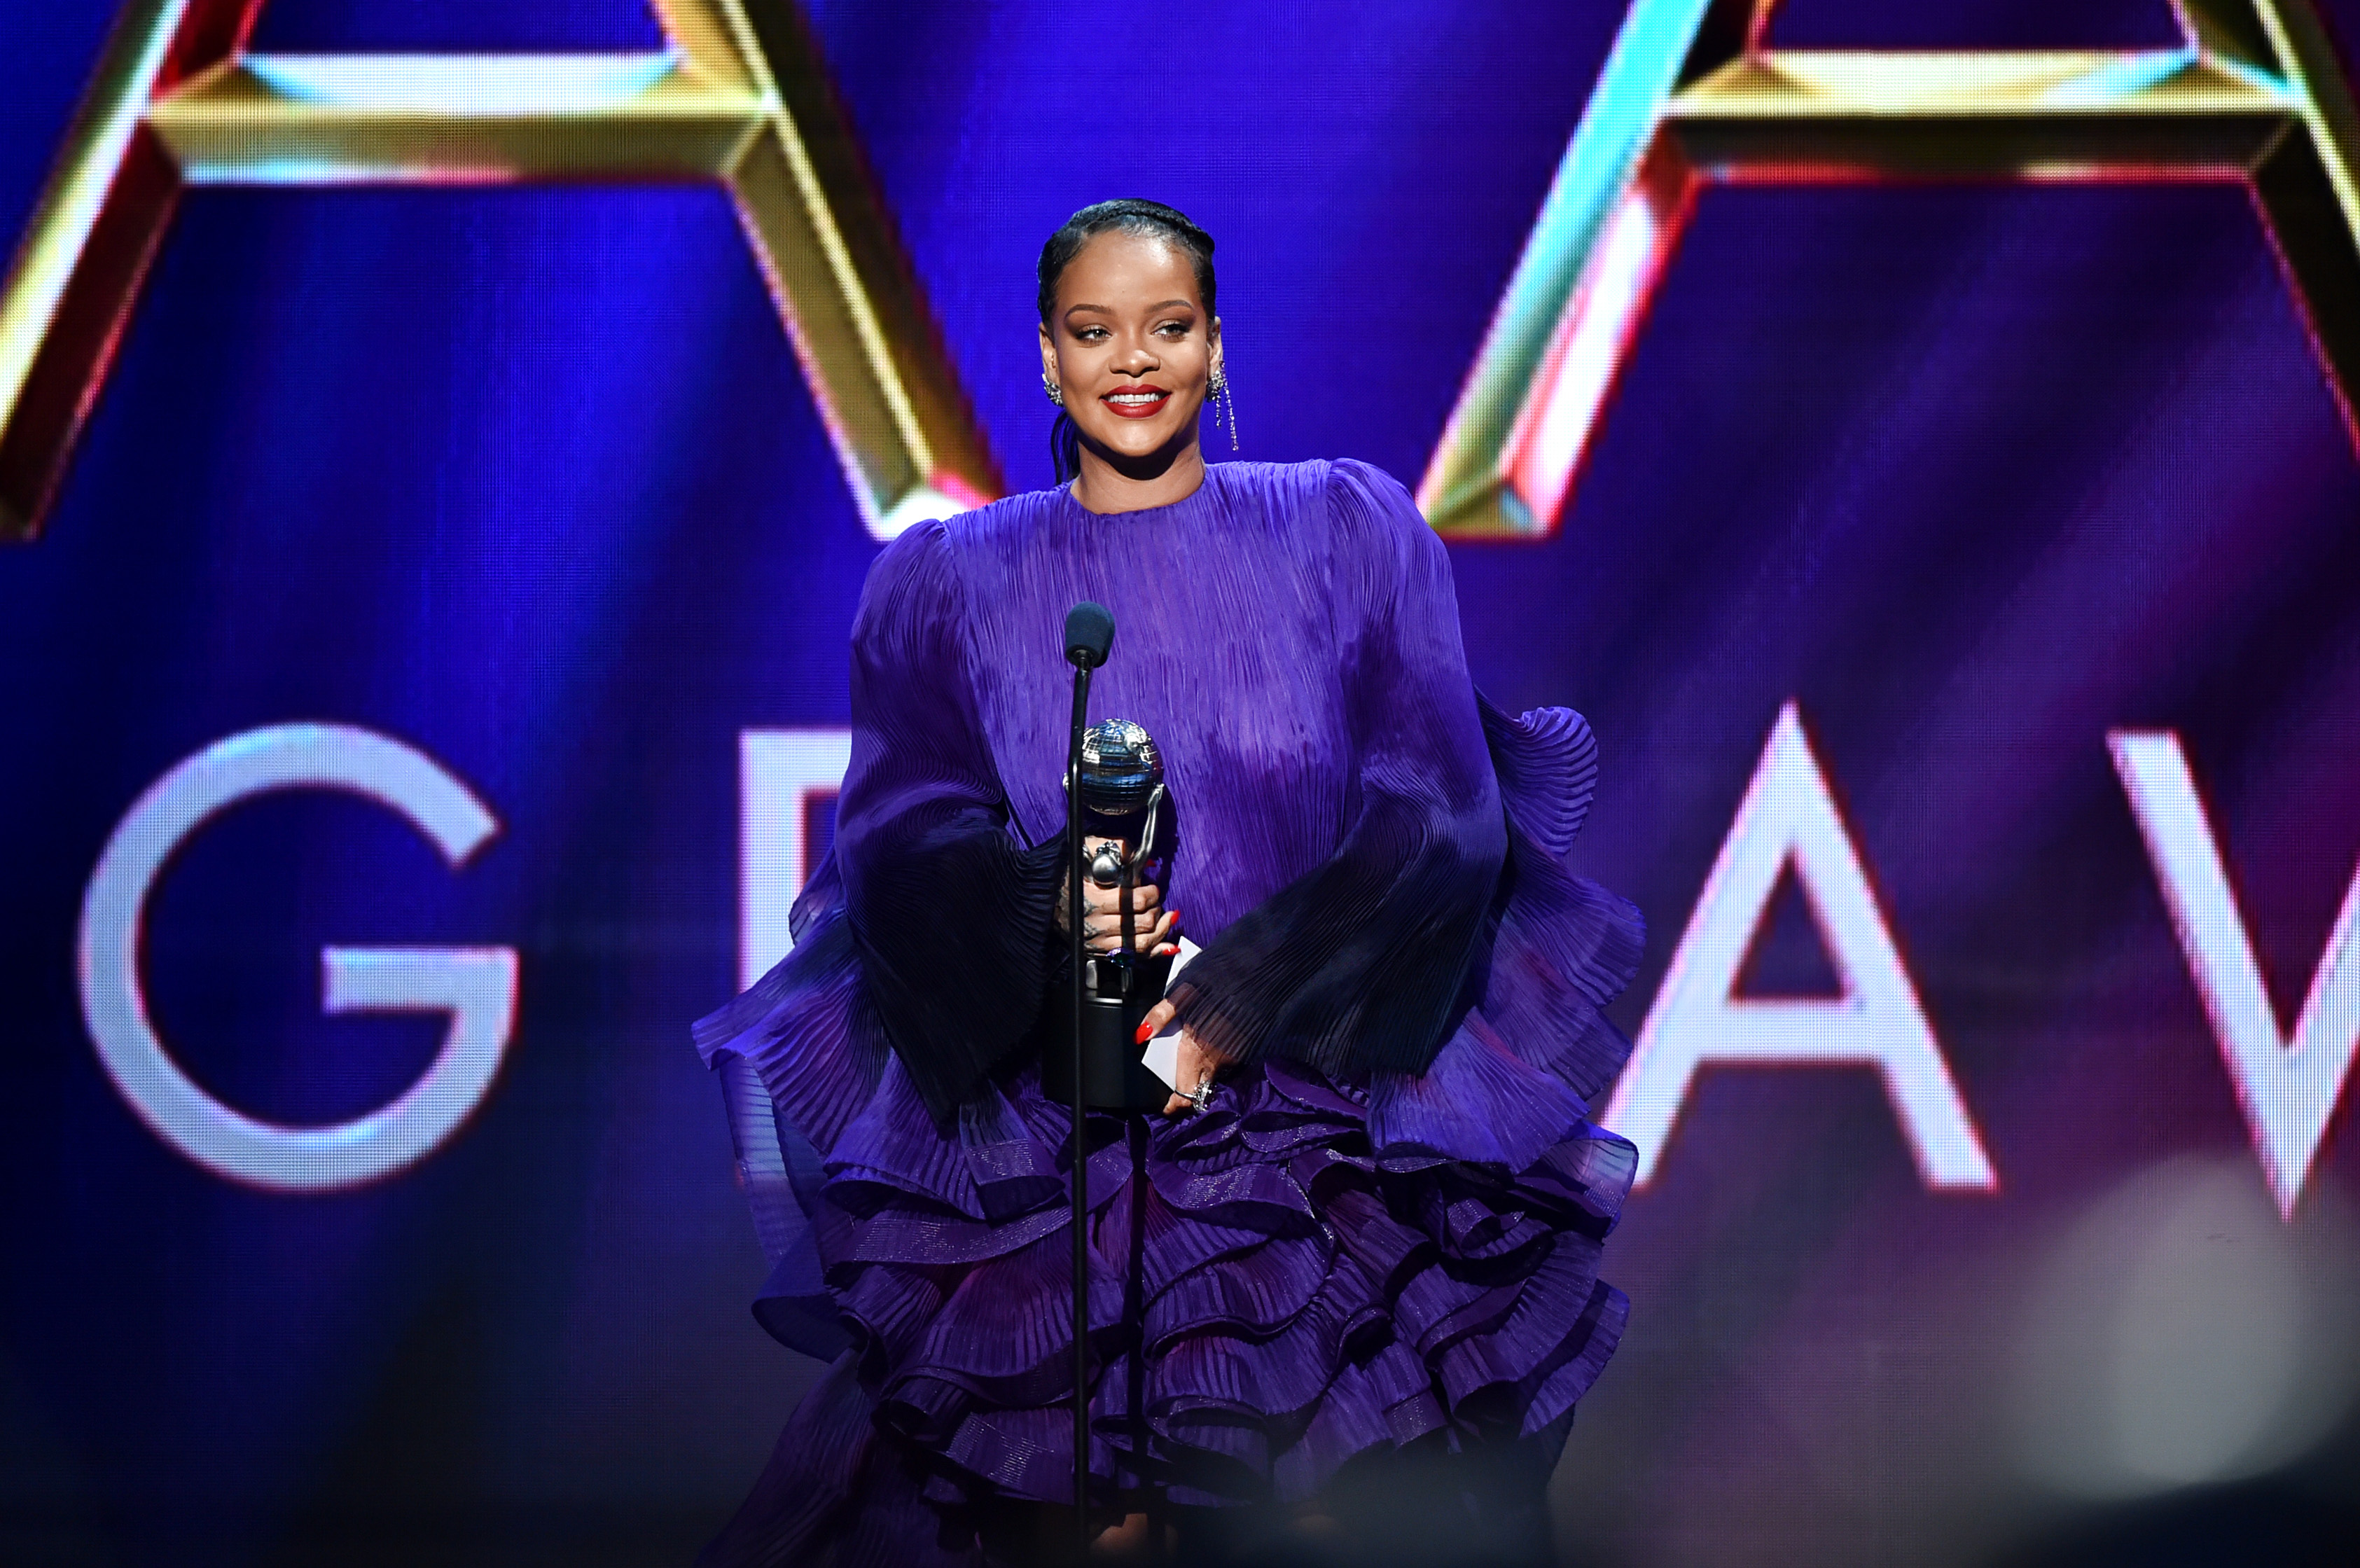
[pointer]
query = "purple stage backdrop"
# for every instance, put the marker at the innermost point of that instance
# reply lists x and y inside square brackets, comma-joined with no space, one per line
[426,687]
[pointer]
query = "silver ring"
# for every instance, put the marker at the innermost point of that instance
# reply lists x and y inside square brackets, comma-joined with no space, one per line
[1201,1096]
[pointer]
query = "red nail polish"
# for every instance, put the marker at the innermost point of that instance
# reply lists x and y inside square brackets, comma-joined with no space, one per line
[1144,1031]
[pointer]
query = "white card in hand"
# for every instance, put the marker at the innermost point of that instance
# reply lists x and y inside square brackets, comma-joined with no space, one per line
[1163,1058]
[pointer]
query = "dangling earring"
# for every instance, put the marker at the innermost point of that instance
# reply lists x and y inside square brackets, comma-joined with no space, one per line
[1222,398]
[1056,394]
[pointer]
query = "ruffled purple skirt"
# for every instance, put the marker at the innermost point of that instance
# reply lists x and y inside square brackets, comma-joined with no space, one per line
[1307,1271]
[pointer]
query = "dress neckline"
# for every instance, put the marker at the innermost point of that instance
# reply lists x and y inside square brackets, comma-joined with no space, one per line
[1075,501]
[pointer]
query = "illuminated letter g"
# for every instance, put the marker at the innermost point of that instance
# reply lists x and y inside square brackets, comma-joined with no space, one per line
[476,986]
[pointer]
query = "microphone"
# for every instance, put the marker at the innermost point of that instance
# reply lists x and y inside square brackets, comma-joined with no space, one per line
[1089,635]
[1112,771]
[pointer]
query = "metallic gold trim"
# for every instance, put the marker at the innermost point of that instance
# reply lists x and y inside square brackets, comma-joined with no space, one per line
[508,119]
[1691,95]
[741,96]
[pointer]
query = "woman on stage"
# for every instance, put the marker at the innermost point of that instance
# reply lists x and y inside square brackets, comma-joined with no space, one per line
[1345,1292]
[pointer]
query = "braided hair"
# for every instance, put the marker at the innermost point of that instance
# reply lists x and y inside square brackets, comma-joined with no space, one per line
[1150,218]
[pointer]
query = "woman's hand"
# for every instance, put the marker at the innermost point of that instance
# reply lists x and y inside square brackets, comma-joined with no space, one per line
[1193,1065]
[1102,913]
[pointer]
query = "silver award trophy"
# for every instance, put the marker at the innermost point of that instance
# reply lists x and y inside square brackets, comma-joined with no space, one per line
[1122,798]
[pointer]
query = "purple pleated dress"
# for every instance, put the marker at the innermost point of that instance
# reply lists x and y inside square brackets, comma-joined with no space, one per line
[1385,1230]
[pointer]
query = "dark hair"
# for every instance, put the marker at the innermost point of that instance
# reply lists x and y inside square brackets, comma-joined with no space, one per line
[1152,218]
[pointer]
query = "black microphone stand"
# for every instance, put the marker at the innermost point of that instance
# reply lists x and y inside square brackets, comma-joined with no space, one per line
[1107,1008]
[1083,663]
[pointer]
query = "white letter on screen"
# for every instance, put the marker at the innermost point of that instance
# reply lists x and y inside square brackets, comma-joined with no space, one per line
[475,986]
[1789,816]
[778,773]
[2288,1089]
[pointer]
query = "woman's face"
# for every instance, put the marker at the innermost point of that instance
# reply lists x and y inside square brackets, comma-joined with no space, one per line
[1131,345]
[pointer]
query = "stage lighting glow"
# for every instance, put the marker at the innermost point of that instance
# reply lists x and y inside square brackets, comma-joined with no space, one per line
[2178,1336]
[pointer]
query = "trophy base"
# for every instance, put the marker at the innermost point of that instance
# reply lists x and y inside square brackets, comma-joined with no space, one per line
[1113,1077]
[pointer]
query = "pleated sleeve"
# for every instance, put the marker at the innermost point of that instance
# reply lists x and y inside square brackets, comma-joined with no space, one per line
[949,911]
[1361,964]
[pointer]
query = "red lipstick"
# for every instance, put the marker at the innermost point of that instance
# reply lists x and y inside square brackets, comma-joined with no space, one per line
[1151,401]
